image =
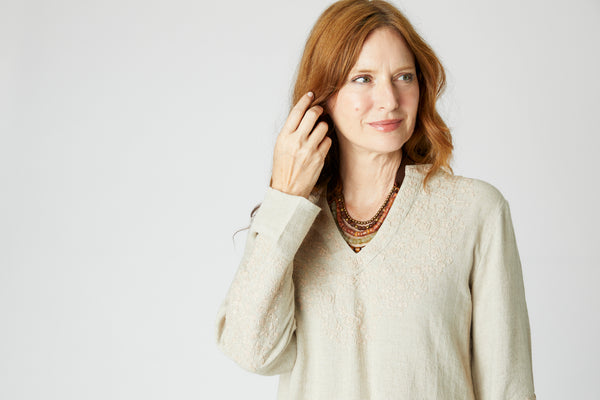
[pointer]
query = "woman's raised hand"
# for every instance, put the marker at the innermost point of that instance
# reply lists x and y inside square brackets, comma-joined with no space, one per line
[300,150]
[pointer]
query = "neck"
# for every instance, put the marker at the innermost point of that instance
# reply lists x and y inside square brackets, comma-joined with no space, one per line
[368,178]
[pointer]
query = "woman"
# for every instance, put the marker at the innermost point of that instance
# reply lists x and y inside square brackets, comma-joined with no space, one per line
[370,270]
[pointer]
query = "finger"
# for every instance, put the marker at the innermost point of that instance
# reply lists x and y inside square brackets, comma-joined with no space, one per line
[317,135]
[308,121]
[324,146]
[297,112]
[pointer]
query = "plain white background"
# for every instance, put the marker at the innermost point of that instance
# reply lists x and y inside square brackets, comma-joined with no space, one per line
[136,137]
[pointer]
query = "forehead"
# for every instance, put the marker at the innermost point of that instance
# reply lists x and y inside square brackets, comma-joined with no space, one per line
[384,46]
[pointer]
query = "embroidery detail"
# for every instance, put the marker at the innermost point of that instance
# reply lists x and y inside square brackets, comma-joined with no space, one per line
[259,280]
[397,277]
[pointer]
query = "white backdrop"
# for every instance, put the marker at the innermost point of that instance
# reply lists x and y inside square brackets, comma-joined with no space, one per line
[136,137]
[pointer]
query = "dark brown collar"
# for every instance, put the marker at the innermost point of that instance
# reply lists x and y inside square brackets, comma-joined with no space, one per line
[406,160]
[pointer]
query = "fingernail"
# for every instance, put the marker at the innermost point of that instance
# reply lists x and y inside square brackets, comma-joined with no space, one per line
[310,94]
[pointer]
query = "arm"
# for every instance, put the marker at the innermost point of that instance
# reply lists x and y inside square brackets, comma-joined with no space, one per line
[501,363]
[256,322]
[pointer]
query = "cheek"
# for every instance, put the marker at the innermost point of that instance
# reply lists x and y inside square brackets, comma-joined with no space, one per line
[410,101]
[352,105]
[414,97]
[357,104]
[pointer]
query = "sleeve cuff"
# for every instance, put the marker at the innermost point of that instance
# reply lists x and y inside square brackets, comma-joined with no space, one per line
[285,218]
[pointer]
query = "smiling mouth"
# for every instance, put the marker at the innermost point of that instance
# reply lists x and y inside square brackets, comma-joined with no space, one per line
[386,125]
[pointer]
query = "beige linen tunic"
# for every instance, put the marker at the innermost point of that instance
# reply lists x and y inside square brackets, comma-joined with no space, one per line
[432,308]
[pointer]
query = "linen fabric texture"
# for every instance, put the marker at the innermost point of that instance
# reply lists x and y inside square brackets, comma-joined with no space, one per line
[433,307]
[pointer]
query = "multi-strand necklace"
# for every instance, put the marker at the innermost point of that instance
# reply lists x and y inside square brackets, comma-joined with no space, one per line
[359,233]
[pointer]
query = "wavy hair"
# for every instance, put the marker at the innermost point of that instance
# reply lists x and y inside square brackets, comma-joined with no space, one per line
[332,49]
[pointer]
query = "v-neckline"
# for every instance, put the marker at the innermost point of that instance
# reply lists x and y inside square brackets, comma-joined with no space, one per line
[399,208]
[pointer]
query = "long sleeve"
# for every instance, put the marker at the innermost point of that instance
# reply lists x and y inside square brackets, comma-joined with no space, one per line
[501,362]
[256,323]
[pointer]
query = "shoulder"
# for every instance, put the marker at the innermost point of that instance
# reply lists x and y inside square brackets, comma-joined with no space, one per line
[478,194]
[483,191]
[487,199]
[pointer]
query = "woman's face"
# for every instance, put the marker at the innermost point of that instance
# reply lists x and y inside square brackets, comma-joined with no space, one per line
[376,109]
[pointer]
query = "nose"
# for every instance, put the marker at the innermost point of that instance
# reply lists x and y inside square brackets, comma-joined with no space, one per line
[386,95]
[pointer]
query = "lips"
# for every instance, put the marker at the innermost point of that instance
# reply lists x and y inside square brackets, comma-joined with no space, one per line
[386,125]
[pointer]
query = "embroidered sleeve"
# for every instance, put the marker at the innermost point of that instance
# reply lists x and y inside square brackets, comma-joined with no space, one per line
[501,362]
[256,323]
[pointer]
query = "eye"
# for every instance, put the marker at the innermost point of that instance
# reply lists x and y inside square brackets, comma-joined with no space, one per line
[407,77]
[362,79]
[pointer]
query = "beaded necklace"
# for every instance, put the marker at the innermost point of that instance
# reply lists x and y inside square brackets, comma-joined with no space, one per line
[359,233]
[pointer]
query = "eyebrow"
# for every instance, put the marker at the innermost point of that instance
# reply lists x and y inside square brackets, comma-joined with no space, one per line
[366,70]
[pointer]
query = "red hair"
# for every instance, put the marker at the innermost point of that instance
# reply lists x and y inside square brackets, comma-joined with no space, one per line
[332,49]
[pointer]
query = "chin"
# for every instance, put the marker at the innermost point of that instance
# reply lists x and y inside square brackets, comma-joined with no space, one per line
[384,148]
[389,146]
[382,143]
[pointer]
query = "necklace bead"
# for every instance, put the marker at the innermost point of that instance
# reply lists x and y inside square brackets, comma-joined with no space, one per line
[357,224]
